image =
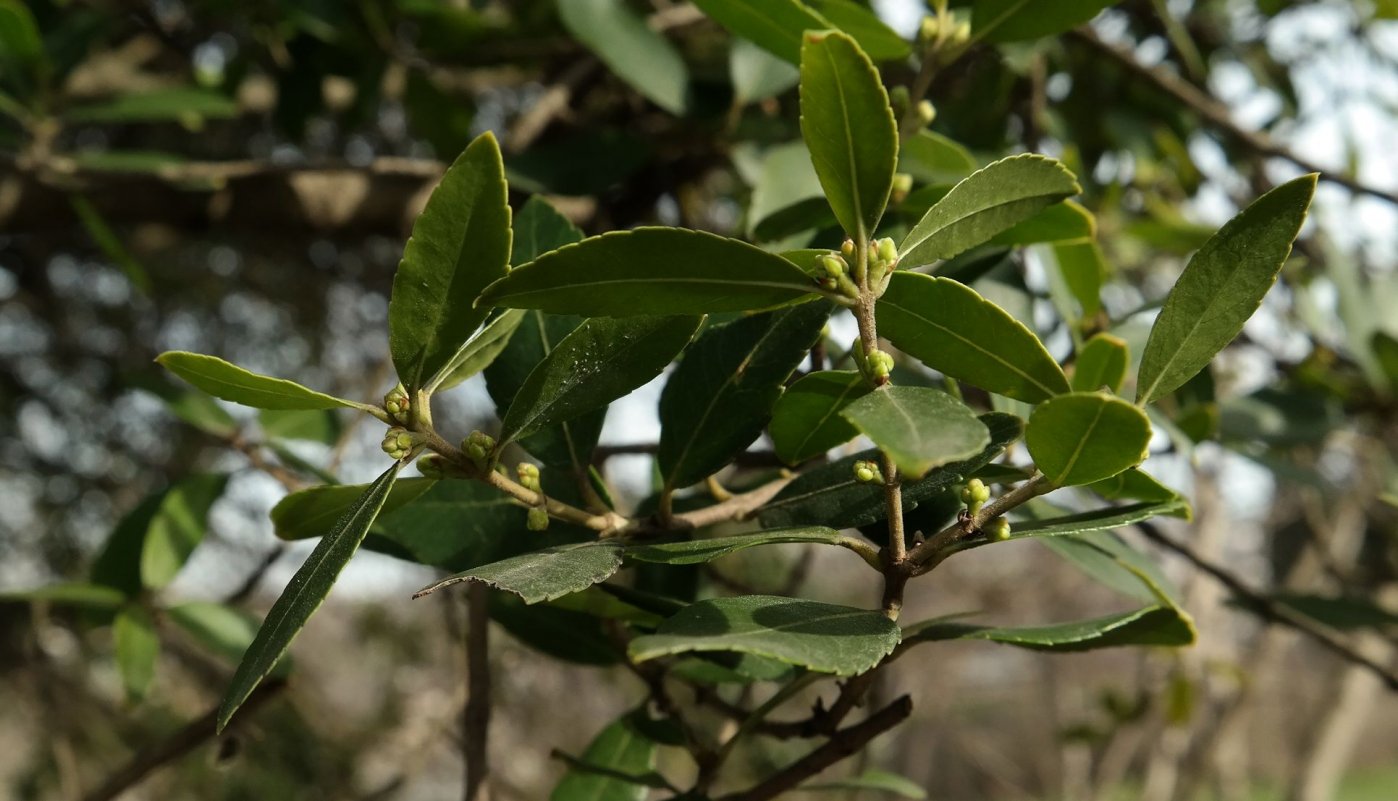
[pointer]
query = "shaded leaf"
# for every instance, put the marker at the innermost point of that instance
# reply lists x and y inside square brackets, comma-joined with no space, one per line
[1107,559]
[622,757]
[459,244]
[1063,223]
[1112,517]
[1341,613]
[935,159]
[1017,20]
[187,105]
[560,633]
[806,420]
[119,564]
[774,25]
[757,74]
[877,781]
[137,646]
[224,630]
[1083,269]
[1148,626]
[543,575]
[232,383]
[74,593]
[698,551]
[313,511]
[313,425]
[986,203]
[638,55]
[918,428]
[1102,362]
[1085,437]
[482,349]
[1138,485]
[952,329]
[822,637]
[786,189]
[875,38]
[177,527]
[651,271]
[1221,287]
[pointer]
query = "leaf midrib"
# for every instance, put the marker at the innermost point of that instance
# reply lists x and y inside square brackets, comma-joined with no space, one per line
[1082,443]
[830,411]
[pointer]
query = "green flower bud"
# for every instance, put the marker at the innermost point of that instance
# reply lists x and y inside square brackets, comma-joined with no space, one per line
[399,442]
[898,99]
[847,249]
[867,472]
[829,284]
[396,403]
[478,446]
[961,34]
[528,475]
[974,495]
[998,530]
[833,265]
[902,185]
[926,112]
[538,519]
[929,28]
[888,251]
[880,364]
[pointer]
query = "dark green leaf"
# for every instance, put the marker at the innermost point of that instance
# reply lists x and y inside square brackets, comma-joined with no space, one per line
[22,48]
[918,428]
[304,593]
[1344,614]
[561,633]
[137,646]
[311,512]
[849,128]
[1085,437]
[1107,559]
[482,349]
[119,564]
[932,158]
[1065,223]
[806,420]
[638,55]
[875,38]
[721,395]
[540,228]
[1016,20]
[460,243]
[775,25]
[314,425]
[232,383]
[986,203]
[698,551]
[597,363]
[1385,349]
[1137,485]
[1221,287]
[94,596]
[1149,626]
[651,271]
[620,750]
[222,629]
[187,105]
[830,496]
[876,781]
[952,329]
[178,527]
[1102,362]
[822,637]
[1112,517]
[543,575]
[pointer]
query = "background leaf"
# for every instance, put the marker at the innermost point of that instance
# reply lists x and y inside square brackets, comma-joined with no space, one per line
[543,575]
[224,630]
[178,527]
[919,428]
[232,383]
[643,58]
[1102,362]
[312,425]
[1085,437]
[698,551]
[806,420]
[482,349]
[876,39]
[621,749]
[137,646]
[1017,20]
[878,781]
[774,25]
[1148,626]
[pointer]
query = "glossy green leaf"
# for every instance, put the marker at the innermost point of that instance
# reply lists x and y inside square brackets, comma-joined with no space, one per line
[870,781]
[119,564]
[482,349]
[935,159]
[757,74]
[232,383]
[830,496]
[1017,20]
[1148,626]
[806,420]
[185,104]
[638,55]
[1107,559]
[620,750]
[1102,362]
[312,425]
[1083,268]
[224,630]
[137,646]
[304,593]
[1221,287]
[1107,519]
[1066,223]
[178,527]
[651,271]
[698,551]
[1085,437]
[849,128]
[774,25]
[543,575]
[74,593]
[821,637]
[597,363]
[952,329]
[459,244]
[875,38]
[718,399]
[1138,485]
[919,428]
[311,512]
[985,204]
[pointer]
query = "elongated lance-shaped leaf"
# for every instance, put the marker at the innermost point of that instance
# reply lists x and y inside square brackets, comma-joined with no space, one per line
[718,399]
[304,594]
[822,637]
[693,552]
[1084,437]
[460,243]
[1102,362]
[543,575]
[1112,517]
[849,128]
[1221,287]
[618,765]
[137,647]
[949,327]
[1154,625]
[1017,20]
[806,421]
[774,25]
[651,271]
[599,362]
[232,383]
[70,593]
[875,38]
[482,349]
[638,55]
[919,428]
[178,527]
[986,203]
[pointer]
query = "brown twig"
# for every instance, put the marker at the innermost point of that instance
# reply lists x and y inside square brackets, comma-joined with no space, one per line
[925,556]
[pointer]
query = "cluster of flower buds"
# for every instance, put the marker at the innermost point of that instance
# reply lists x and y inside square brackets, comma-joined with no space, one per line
[998,529]
[974,495]
[478,447]
[876,366]
[942,29]
[837,277]
[867,472]
[538,519]
[528,476]
[396,403]
[883,260]
[399,442]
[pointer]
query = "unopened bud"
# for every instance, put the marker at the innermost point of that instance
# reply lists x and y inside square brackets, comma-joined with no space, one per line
[902,185]
[998,529]
[847,249]
[961,34]
[929,28]
[898,99]
[399,442]
[974,495]
[867,472]
[528,475]
[926,112]
[833,265]
[478,446]
[888,251]
[880,364]
[538,519]
[396,403]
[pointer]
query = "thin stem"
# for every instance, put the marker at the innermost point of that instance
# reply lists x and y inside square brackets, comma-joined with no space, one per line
[926,556]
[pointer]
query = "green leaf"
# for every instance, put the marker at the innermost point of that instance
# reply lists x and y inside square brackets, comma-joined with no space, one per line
[1107,559]
[877,781]
[1341,613]
[1102,362]
[460,243]
[638,55]
[830,496]
[178,527]
[1085,437]
[232,383]
[74,593]
[119,564]
[1065,223]
[481,350]
[1107,519]
[774,25]
[21,46]
[698,551]
[312,512]
[1221,287]
[543,575]
[224,630]
[1083,269]
[651,271]
[1385,349]
[187,105]
[721,395]
[1138,485]
[194,408]
[620,750]
[1017,20]
[563,634]
[1156,625]
[304,593]
[806,420]
[603,359]
[849,128]
[312,425]
[757,74]
[952,329]
[137,645]
[822,637]
[109,243]
[989,201]
[935,159]
[540,228]
[875,38]
[787,192]
[919,428]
